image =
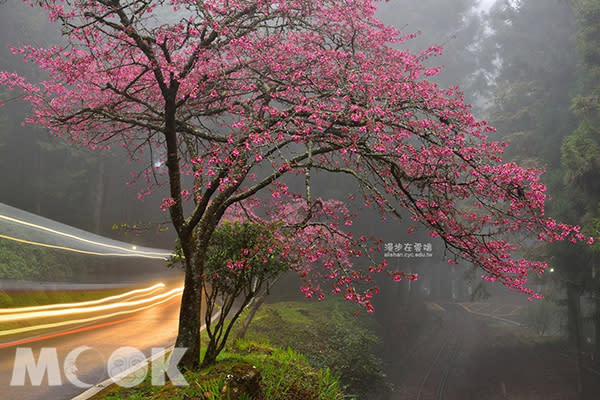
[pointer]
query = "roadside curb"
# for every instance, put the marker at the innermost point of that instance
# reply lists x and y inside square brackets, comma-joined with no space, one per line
[99,387]
[94,390]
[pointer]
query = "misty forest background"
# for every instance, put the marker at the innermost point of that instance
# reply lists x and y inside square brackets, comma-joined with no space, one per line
[530,67]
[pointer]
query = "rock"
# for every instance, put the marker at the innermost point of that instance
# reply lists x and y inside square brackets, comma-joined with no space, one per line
[242,379]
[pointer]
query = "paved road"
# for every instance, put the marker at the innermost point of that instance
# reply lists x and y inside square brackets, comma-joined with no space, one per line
[153,327]
[475,351]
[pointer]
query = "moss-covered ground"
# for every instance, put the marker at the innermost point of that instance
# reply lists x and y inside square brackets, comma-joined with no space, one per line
[285,375]
[302,349]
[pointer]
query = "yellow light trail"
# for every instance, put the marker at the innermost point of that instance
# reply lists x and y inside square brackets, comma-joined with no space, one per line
[81,303]
[162,255]
[86,320]
[82,310]
[83,251]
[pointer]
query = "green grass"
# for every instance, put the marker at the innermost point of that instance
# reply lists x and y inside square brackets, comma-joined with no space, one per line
[20,261]
[285,375]
[304,350]
[520,335]
[330,334]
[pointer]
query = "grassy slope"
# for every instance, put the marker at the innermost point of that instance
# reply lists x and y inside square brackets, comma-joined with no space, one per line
[303,350]
[19,261]
[285,375]
[331,335]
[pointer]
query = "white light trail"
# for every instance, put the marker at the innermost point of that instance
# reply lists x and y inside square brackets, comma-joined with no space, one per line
[129,252]
[94,253]
[83,310]
[174,293]
[82,303]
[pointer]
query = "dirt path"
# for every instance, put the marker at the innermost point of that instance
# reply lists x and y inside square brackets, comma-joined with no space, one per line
[467,356]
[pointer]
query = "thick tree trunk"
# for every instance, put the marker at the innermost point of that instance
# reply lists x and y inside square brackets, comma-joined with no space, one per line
[188,336]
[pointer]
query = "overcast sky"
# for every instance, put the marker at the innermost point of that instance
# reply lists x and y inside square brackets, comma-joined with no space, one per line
[486,4]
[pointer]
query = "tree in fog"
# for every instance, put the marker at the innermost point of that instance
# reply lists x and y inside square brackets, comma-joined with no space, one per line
[545,104]
[248,98]
[532,109]
[533,68]
[581,153]
[453,25]
[47,175]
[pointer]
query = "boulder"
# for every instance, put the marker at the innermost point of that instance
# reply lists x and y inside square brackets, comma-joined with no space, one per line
[242,379]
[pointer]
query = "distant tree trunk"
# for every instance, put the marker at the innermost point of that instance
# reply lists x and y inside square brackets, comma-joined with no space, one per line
[573,308]
[416,290]
[256,303]
[435,282]
[597,326]
[574,326]
[445,283]
[404,293]
[98,199]
[253,309]
[461,287]
[40,177]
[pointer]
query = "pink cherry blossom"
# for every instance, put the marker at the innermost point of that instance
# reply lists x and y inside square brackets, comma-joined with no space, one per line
[236,109]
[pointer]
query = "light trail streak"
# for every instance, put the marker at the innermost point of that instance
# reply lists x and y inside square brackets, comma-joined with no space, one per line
[94,253]
[129,251]
[91,319]
[63,333]
[82,303]
[82,310]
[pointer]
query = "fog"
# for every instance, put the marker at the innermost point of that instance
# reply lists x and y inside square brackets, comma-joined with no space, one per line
[529,67]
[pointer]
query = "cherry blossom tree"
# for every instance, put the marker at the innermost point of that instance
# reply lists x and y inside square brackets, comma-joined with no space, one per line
[247,253]
[241,259]
[233,101]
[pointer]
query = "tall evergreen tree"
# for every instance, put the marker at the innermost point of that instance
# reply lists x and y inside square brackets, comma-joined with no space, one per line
[581,149]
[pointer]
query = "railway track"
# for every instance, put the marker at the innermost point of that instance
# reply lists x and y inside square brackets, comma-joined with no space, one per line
[434,382]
